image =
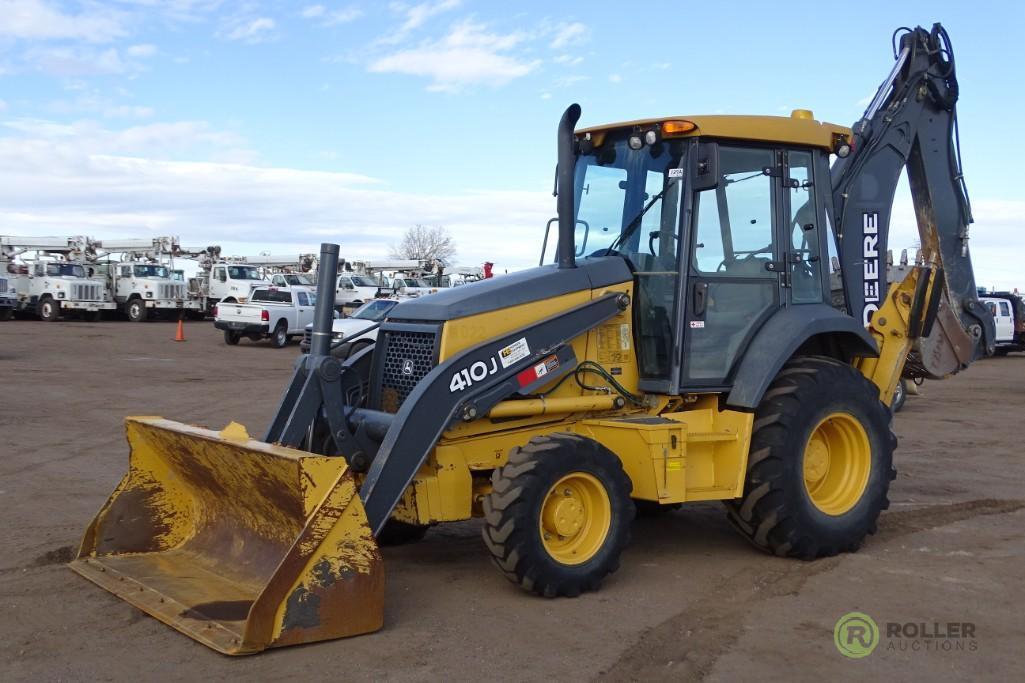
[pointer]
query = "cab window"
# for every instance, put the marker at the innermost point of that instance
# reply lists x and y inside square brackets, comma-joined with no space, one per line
[734,220]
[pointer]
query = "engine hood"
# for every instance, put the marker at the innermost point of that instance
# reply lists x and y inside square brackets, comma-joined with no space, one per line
[522,287]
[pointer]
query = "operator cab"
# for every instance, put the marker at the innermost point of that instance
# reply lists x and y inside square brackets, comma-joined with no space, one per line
[723,220]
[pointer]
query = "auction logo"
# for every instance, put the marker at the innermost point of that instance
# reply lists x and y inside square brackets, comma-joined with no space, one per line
[855,635]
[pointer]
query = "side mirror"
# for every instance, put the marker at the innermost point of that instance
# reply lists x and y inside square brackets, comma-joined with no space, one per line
[704,166]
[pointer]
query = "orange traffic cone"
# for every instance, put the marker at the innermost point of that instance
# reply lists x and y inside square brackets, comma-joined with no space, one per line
[180,335]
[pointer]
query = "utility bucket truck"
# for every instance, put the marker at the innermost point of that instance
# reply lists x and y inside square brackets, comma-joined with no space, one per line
[51,277]
[682,347]
[141,282]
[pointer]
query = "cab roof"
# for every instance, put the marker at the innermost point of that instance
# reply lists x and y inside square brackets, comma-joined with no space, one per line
[800,128]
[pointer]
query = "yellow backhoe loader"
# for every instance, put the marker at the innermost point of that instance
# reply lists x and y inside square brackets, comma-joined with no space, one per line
[683,346]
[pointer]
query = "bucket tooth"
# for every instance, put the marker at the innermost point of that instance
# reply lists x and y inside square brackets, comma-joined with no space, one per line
[239,544]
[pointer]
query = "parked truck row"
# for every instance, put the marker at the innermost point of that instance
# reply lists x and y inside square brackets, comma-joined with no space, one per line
[53,277]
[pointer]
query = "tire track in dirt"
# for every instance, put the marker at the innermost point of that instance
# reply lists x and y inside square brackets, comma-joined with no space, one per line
[687,645]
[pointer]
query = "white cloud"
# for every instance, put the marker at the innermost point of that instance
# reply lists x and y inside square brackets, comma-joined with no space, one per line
[39,20]
[414,17]
[615,78]
[76,61]
[84,179]
[325,17]
[251,31]
[567,81]
[569,34]
[141,51]
[568,60]
[467,55]
[94,103]
[3,106]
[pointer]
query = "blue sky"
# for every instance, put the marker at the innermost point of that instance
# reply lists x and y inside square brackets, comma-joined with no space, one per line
[270,126]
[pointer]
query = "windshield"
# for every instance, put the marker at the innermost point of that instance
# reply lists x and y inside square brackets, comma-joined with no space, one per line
[300,280]
[374,310]
[412,282]
[627,200]
[65,270]
[150,270]
[178,275]
[363,281]
[244,273]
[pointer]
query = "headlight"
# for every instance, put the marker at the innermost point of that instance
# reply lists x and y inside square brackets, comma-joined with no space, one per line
[60,295]
[149,295]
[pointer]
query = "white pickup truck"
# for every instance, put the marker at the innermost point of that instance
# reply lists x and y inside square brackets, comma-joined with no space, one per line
[1008,312]
[277,313]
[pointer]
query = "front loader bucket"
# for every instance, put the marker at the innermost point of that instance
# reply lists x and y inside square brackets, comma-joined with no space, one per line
[237,543]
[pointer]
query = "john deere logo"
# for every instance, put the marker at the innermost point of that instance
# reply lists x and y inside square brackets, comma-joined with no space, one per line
[856,635]
[407,367]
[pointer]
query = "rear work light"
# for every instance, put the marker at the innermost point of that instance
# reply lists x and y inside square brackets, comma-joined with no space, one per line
[265,316]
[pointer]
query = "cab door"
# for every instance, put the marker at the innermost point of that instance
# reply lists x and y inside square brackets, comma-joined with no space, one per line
[734,264]
[802,228]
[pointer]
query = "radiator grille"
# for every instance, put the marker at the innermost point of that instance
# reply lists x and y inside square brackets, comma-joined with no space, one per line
[173,291]
[86,292]
[3,285]
[408,356]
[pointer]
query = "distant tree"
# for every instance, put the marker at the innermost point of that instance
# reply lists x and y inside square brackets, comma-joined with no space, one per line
[425,242]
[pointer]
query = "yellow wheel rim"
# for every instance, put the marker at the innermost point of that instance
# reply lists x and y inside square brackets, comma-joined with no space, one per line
[837,463]
[576,516]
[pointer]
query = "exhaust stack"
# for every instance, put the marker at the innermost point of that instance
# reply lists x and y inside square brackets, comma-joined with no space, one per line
[564,200]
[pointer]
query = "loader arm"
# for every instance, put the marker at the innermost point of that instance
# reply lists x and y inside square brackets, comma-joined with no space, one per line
[911,125]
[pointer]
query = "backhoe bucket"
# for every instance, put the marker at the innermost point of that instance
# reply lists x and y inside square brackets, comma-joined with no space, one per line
[237,543]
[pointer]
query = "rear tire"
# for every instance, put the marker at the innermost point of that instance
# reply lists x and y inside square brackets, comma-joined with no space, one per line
[820,464]
[231,338]
[136,311]
[558,516]
[279,337]
[49,310]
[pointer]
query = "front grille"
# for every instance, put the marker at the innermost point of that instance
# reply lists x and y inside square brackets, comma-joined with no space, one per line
[86,292]
[171,292]
[307,336]
[408,354]
[3,285]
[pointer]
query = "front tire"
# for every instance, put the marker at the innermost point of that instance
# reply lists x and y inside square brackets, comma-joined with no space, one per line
[49,310]
[559,514]
[136,311]
[820,463]
[900,396]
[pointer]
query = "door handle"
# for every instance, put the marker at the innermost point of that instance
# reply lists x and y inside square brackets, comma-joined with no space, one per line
[700,298]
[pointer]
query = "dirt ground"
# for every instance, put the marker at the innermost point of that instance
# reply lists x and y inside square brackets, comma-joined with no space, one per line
[692,599]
